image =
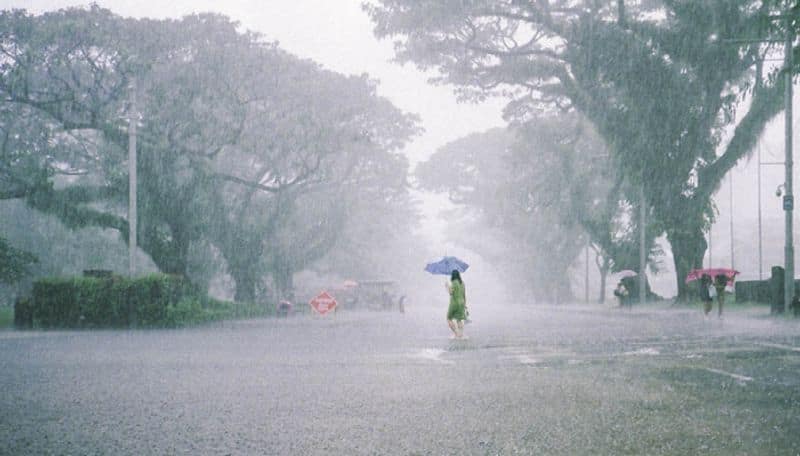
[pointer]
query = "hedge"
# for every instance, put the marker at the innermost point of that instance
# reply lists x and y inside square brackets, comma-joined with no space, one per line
[759,291]
[157,300]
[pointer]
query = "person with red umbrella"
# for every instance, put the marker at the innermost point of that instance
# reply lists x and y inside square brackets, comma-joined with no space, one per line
[716,279]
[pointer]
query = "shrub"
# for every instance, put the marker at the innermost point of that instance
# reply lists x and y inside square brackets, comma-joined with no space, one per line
[105,302]
[157,300]
[23,313]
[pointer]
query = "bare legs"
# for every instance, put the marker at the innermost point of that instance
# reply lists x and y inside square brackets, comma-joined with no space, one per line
[457,326]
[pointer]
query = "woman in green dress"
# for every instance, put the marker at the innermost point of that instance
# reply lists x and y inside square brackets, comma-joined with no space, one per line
[457,310]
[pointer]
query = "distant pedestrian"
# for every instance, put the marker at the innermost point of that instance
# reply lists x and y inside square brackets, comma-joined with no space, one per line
[386,300]
[706,288]
[621,292]
[457,308]
[720,282]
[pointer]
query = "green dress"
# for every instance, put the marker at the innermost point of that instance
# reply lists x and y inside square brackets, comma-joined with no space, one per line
[458,302]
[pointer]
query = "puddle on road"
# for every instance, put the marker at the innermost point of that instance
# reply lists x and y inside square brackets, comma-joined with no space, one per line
[522,359]
[431,354]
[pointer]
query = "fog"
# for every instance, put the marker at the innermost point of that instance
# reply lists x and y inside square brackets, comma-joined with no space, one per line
[397,227]
[340,38]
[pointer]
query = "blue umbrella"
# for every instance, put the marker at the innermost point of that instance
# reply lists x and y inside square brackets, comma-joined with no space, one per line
[446,265]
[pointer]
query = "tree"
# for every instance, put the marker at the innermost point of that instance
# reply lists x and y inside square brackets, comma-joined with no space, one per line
[328,136]
[658,79]
[14,263]
[234,135]
[545,185]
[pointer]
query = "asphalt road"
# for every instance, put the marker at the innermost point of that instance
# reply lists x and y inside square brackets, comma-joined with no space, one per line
[543,380]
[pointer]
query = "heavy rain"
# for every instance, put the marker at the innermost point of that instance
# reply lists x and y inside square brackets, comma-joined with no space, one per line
[400,227]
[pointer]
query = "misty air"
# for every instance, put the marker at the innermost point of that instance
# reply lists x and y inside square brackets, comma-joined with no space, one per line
[398,227]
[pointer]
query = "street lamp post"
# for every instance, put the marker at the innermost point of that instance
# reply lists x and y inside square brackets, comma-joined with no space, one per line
[760,253]
[730,188]
[788,198]
[642,245]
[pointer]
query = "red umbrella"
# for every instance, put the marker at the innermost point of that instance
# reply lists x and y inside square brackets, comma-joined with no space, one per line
[696,274]
[626,273]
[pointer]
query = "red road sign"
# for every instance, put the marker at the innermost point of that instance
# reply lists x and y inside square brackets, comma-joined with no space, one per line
[323,303]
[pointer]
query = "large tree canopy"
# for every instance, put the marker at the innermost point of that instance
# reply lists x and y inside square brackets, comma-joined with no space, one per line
[234,135]
[546,185]
[660,80]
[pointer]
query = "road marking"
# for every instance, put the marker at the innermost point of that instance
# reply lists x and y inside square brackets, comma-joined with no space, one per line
[783,347]
[741,378]
[643,351]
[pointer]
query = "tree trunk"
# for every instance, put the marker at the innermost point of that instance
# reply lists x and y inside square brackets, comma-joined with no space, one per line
[245,285]
[603,267]
[603,275]
[170,256]
[283,277]
[688,249]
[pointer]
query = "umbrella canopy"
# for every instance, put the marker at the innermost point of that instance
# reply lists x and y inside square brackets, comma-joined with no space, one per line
[696,274]
[446,265]
[626,273]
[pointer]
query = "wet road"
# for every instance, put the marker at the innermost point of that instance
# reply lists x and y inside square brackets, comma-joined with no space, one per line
[549,380]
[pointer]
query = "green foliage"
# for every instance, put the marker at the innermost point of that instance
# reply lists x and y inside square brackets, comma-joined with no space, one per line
[23,313]
[14,264]
[6,317]
[156,300]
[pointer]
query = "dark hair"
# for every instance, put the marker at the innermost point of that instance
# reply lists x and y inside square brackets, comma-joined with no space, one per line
[455,275]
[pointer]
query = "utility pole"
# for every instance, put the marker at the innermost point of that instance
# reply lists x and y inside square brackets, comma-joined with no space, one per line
[759,75]
[730,188]
[642,245]
[760,255]
[132,228]
[788,198]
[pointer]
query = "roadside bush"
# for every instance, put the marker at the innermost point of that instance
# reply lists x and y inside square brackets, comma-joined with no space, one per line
[157,300]
[23,313]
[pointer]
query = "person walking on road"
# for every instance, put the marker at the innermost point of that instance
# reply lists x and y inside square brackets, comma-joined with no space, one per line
[705,293]
[720,282]
[621,292]
[457,309]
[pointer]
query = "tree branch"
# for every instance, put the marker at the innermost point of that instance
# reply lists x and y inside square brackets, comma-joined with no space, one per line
[767,103]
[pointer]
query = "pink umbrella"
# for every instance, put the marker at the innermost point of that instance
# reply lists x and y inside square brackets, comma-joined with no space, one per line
[696,274]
